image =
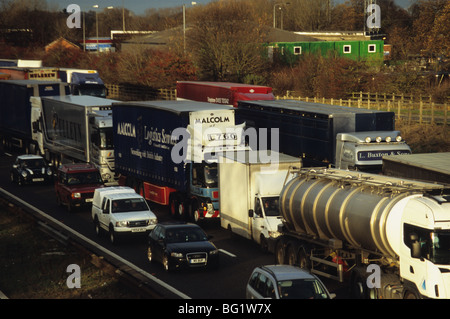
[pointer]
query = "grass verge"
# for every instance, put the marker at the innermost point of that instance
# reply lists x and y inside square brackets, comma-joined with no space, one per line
[33,265]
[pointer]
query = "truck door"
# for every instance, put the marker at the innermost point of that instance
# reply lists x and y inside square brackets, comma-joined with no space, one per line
[257,220]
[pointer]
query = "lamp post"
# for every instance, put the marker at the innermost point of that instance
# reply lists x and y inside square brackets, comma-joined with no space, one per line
[96,22]
[184,25]
[281,10]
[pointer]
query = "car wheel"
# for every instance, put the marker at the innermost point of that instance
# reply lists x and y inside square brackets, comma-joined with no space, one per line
[112,236]
[149,254]
[97,228]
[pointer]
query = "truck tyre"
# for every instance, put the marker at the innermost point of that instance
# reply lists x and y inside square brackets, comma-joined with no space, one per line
[358,285]
[173,205]
[304,260]
[291,254]
[263,244]
[280,253]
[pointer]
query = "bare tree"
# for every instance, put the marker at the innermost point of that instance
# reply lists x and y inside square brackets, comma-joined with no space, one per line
[225,41]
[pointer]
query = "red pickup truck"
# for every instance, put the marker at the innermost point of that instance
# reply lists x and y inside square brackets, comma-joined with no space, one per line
[75,184]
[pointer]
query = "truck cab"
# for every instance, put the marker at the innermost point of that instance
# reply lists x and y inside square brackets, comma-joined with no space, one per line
[75,184]
[265,217]
[120,211]
[364,151]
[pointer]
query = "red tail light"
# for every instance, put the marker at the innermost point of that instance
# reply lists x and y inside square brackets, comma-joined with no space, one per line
[216,194]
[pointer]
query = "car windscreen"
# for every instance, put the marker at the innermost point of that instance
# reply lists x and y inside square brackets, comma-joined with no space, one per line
[301,289]
[129,205]
[183,235]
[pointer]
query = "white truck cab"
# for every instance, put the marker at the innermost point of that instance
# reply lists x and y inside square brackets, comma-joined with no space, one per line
[120,210]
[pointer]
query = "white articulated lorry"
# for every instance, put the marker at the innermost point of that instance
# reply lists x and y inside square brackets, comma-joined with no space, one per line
[338,223]
[250,183]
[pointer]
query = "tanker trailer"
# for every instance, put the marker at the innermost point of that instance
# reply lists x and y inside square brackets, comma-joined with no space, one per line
[387,237]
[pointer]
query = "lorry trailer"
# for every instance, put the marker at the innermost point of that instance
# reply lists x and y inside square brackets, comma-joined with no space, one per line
[322,134]
[167,151]
[432,167]
[15,110]
[222,92]
[75,128]
[388,237]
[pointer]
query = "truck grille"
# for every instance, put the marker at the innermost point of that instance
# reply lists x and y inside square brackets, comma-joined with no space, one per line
[87,195]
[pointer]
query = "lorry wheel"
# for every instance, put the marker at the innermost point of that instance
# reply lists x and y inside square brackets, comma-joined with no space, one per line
[410,294]
[280,254]
[358,286]
[263,244]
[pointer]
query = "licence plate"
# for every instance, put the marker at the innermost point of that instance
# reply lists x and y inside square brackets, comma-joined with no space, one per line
[138,230]
[89,200]
[197,260]
[38,179]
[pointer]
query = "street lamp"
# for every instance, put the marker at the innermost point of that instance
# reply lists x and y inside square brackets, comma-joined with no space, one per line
[96,22]
[274,13]
[193,3]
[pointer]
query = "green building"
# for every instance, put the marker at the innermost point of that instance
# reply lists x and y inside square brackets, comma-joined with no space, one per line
[370,51]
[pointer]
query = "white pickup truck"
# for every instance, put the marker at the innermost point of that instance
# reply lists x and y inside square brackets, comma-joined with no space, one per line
[120,211]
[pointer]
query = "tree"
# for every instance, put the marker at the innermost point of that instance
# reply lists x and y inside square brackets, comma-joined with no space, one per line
[226,42]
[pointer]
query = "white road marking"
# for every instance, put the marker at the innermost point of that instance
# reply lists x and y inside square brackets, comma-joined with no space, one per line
[227,253]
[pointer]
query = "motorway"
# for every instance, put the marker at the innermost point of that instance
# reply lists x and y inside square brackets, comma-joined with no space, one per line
[238,256]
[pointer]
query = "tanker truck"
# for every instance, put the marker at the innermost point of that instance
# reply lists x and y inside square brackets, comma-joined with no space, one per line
[386,237]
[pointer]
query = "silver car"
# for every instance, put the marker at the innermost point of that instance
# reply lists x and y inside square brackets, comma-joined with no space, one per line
[285,282]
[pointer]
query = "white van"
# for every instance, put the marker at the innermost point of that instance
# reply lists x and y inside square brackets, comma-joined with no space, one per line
[119,211]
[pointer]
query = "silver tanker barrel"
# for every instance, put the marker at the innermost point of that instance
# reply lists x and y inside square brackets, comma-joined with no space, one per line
[349,206]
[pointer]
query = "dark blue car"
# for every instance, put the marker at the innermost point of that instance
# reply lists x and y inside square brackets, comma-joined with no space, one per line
[181,245]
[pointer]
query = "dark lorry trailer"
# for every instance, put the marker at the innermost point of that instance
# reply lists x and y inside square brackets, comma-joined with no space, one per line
[143,145]
[338,136]
[15,109]
[76,128]
[431,167]
[225,93]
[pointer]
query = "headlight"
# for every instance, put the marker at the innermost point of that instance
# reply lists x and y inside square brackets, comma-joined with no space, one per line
[214,252]
[106,176]
[368,139]
[398,138]
[388,139]
[122,223]
[176,255]
[378,139]
[76,195]
[24,174]
[49,171]
[152,221]
[274,234]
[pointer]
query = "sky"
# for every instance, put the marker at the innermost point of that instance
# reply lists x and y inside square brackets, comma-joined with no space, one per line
[139,6]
